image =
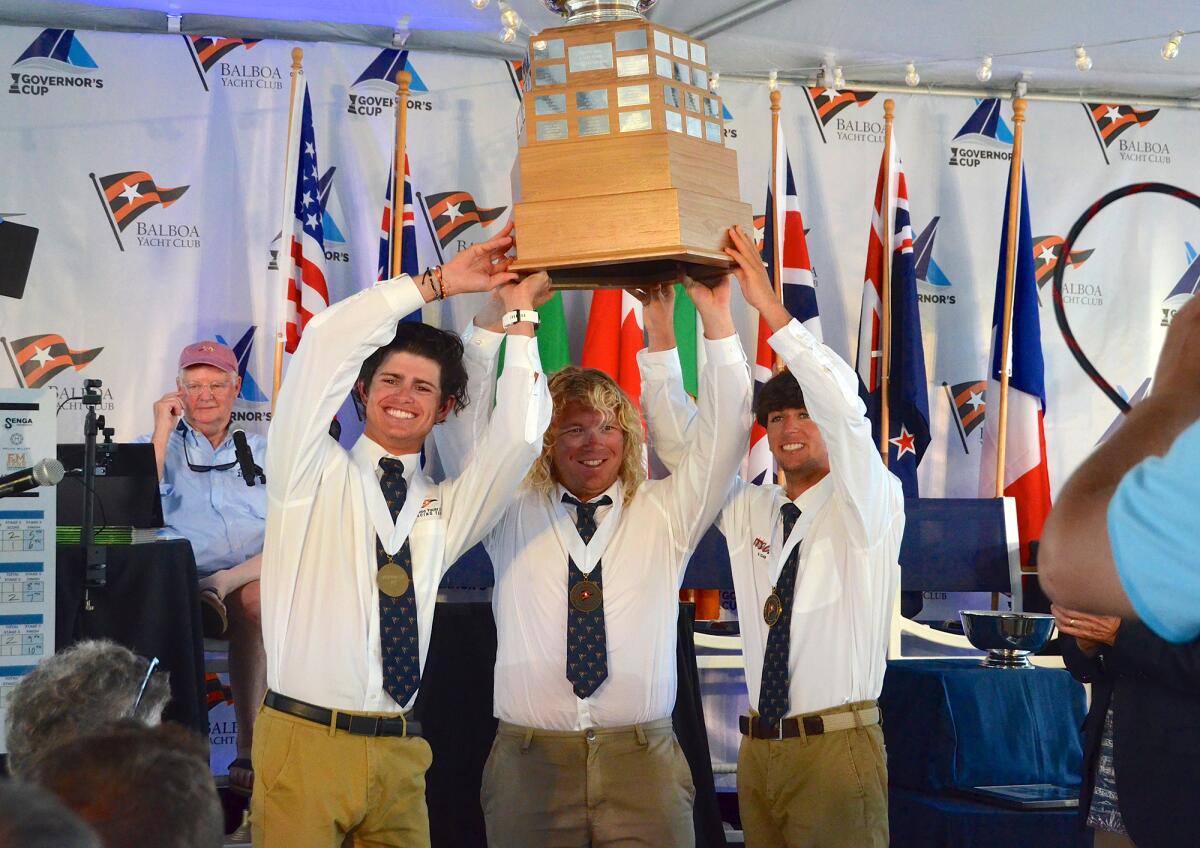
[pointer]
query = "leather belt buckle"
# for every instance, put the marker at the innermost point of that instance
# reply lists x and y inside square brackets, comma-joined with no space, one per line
[365,725]
[814,725]
[778,725]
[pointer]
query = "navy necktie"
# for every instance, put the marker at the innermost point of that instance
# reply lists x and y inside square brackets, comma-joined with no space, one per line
[587,654]
[398,637]
[773,689]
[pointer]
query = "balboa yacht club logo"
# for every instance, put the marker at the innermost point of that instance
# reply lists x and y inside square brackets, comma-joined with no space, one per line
[374,92]
[38,359]
[933,286]
[216,58]
[1185,289]
[1047,253]
[55,59]
[985,136]
[829,104]
[449,214]
[127,195]
[968,405]
[1117,128]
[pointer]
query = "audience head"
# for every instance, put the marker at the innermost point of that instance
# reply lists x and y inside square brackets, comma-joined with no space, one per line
[31,817]
[410,384]
[137,785]
[208,382]
[86,686]
[595,437]
[794,438]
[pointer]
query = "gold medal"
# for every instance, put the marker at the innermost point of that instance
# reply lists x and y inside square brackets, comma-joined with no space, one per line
[772,609]
[392,580]
[586,596]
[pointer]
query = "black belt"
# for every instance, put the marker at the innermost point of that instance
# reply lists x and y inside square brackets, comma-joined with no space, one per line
[359,725]
[757,727]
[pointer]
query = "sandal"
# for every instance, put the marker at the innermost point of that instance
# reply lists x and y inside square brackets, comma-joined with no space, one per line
[214,620]
[237,787]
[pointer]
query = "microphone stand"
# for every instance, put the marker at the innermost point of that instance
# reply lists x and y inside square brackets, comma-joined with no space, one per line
[95,556]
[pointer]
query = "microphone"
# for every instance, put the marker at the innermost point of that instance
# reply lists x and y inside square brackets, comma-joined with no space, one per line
[245,457]
[48,472]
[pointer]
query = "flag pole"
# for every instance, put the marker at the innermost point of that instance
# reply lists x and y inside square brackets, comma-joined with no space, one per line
[1010,271]
[885,364]
[777,229]
[284,240]
[403,83]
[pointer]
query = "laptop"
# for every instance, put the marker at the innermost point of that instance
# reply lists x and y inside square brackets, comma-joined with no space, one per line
[1029,796]
[126,487]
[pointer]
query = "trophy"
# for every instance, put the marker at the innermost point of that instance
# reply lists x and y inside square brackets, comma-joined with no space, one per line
[622,170]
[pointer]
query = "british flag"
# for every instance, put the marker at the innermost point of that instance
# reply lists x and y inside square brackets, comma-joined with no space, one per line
[798,293]
[409,264]
[907,393]
[307,292]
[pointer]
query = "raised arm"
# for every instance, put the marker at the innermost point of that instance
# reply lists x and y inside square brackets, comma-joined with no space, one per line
[830,389]
[698,486]
[669,410]
[504,441]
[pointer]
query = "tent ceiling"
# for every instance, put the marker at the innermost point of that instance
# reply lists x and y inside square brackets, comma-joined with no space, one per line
[868,38]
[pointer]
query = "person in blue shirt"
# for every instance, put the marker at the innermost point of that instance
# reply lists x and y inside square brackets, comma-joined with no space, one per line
[1124,537]
[206,500]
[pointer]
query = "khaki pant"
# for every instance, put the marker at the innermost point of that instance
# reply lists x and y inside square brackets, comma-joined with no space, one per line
[826,791]
[316,787]
[627,786]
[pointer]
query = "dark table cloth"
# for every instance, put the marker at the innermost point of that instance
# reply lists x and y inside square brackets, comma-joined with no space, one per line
[920,820]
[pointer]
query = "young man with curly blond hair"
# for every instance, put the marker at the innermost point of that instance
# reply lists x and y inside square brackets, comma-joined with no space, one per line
[589,558]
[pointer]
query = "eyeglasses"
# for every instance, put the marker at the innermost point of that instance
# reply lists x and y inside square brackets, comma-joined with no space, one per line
[203,469]
[145,681]
[196,389]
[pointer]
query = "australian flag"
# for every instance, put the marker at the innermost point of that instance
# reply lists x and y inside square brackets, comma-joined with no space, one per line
[409,264]
[307,292]
[907,394]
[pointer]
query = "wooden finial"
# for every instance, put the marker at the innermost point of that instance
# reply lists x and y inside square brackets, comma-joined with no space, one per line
[889,109]
[776,98]
[297,58]
[1019,105]
[404,81]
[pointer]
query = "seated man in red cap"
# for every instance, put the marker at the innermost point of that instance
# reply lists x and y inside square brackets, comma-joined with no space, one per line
[207,501]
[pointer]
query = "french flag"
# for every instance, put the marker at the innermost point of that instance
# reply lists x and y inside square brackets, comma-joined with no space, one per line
[303,230]
[1025,469]
[782,225]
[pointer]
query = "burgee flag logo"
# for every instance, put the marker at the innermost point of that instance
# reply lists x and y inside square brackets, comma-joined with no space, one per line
[452,213]
[127,195]
[37,359]
[827,104]
[1117,130]
[216,55]
[55,59]
[1047,254]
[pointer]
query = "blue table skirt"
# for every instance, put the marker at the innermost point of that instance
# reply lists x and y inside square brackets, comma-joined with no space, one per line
[955,723]
[918,820]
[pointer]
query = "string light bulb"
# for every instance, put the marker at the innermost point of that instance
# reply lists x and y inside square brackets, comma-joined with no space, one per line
[539,45]
[985,69]
[1083,62]
[714,80]
[480,4]
[839,81]
[508,35]
[911,78]
[773,80]
[509,16]
[1171,48]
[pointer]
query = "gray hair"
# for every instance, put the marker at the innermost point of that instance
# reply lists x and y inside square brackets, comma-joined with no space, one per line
[84,687]
[30,817]
[138,785]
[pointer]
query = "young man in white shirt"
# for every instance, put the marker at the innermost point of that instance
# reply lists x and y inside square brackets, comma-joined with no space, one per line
[815,571]
[357,542]
[588,560]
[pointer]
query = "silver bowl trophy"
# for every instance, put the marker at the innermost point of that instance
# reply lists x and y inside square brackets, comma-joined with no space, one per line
[1008,637]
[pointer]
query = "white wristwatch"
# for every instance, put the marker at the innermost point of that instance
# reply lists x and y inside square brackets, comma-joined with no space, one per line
[516,316]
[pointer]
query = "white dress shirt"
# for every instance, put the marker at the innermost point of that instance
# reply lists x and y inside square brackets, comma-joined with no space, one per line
[643,544]
[320,603]
[850,524]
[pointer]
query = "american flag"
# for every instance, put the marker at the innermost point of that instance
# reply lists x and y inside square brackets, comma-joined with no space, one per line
[409,264]
[307,292]
[799,295]
[908,393]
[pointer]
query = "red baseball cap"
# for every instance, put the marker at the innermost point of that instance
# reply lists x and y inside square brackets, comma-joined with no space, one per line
[209,353]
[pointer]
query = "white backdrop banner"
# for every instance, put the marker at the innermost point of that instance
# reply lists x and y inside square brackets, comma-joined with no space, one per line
[153,167]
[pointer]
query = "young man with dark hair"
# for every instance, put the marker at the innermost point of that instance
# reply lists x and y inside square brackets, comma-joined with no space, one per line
[815,570]
[357,543]
[589,558]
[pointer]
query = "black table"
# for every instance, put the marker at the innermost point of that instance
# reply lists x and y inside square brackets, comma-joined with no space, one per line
[150,606]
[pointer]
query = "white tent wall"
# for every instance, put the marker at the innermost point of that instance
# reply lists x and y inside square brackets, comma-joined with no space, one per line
[199,267]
